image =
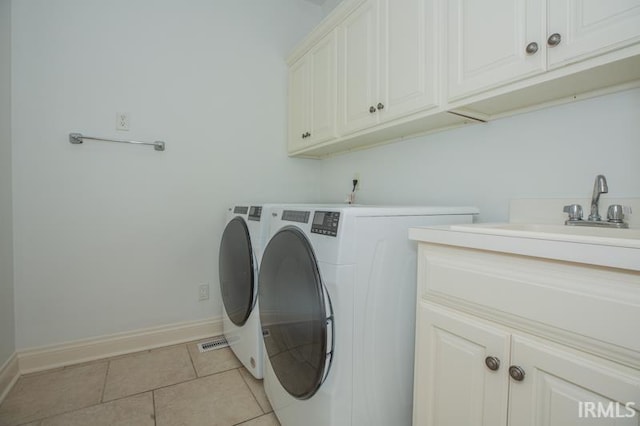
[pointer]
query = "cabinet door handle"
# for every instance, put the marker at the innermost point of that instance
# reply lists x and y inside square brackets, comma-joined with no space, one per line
[303,136]
[306,135]
[492,363]
[372,109]
[532,48]
[380,105]
[554,39]
[516,373]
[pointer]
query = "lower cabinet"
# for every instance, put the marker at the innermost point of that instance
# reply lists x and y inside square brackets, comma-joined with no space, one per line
[472,372]
[561,387]
[453,386]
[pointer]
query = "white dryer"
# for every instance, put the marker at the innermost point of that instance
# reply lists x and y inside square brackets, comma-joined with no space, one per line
[241,248]
[337,291]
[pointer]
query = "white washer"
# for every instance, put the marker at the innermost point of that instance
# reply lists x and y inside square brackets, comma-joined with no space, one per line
[241,248]
[337,306]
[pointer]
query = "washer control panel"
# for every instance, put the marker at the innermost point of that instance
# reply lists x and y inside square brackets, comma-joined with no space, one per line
[325,223]
[296,216]
[255,212]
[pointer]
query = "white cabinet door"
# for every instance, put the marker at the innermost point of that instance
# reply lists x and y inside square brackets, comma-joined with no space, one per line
[561,388]
[312,95]
[487,43]
[387,62]
[323,90]
[590,27]
[358,72]
[407,57]
[453,385]
[299,101]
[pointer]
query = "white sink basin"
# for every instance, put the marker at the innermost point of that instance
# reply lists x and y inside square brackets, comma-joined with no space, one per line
[579,234]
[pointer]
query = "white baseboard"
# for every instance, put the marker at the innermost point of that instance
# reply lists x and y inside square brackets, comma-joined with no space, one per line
[44,358]
[9,374]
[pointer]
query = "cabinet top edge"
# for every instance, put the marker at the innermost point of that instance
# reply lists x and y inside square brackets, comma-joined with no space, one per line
[568,251]
[327,25]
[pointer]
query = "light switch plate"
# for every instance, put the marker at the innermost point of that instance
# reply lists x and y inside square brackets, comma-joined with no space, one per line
[122,121]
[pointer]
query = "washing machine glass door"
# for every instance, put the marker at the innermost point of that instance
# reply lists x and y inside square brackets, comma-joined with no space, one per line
[295,313]
[236,269]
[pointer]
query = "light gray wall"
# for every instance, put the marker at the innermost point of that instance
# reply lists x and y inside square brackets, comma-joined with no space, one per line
[555,152]
[111,238]
[7,321]
[114,237]
[329,5]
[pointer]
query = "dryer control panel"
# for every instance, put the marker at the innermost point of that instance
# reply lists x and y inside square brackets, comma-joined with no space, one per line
[325,223]
[240,210]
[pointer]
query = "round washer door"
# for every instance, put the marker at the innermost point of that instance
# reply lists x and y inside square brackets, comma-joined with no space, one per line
[295,313]
[236,270]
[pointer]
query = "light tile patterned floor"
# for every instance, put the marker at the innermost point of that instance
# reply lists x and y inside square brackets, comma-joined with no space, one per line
[176,385]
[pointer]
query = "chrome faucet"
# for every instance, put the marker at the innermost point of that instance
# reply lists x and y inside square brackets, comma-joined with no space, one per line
[615,213]
[599,187]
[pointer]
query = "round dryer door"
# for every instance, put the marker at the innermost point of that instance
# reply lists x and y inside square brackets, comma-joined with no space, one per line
[236,269]
[295,313]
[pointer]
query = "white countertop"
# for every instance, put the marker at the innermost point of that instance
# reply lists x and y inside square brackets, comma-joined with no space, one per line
[614,248]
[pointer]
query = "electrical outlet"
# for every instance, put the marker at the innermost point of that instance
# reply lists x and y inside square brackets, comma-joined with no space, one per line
[356,176]
[122,121]
[203,292]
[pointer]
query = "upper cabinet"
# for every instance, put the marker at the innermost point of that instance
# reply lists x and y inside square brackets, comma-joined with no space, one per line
[375,71]
[387,62]
[487,43]
[580,29]
[492,42]
[387,72]
[498,41]
[506,55]
[312,95]
[358,87]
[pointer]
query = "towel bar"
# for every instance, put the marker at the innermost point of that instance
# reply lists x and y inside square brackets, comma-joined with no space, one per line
[77,138]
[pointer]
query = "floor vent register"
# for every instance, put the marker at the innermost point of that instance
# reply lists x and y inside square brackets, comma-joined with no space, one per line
[218,342]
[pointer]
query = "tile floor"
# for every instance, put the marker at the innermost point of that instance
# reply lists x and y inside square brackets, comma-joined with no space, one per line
[175,385]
